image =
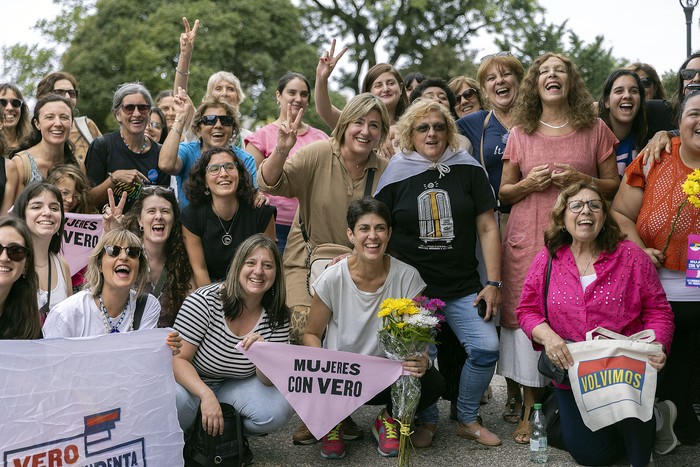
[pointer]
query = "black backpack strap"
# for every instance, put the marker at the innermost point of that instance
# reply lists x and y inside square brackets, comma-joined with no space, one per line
[138,312]
[369,182]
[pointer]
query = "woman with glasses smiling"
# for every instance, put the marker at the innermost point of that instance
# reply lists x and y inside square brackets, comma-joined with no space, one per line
[215,124]
[19,313]
[17,125]
[125,159]
[83,130]
[221,213]
[467,95]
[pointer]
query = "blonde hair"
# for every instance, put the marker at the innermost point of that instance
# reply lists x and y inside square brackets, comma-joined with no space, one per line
[358,107]
[94,280]
[421,108]
[229,78]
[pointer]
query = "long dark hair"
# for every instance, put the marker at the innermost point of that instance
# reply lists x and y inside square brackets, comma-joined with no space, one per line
[679,96]
[20,313]
[177,283]
[34,136]
[639,124]
[232,294]
[33,190]
[556,234]
[24,125]
[375,72]
[196,187]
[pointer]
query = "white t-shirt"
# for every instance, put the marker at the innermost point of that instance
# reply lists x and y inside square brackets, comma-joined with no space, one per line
[354,323]
[79,316]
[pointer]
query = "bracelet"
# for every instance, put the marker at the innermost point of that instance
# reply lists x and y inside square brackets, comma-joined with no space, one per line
[109,174]
[186,73]
[277,148]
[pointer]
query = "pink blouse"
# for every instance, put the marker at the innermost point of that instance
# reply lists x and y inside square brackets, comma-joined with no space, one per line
[626,296]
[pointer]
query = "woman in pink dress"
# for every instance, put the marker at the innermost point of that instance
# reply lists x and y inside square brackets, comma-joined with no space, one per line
[557,141]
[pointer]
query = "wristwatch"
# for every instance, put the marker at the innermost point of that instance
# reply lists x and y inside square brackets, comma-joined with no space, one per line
[497,284]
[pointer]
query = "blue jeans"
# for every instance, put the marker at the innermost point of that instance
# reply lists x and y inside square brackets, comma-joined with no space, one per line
[480,341]
[281,232]
[263,408]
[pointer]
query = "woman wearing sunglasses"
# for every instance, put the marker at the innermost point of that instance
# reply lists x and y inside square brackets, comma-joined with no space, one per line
[83,130]
[40,205]
[155,217]
[215,124]
[125,159]
[17,124]
[116,277]
[467,95]
[19,315]
[221,213]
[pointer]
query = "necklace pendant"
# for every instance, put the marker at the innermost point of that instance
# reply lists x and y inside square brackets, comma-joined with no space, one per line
[114,331]
[226,240]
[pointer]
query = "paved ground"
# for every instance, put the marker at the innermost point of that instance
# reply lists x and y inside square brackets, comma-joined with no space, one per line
[277,449]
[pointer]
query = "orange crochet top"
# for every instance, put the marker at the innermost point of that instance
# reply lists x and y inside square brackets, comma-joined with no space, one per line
[662,196]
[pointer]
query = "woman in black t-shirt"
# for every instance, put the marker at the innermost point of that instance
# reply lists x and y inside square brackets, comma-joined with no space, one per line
[221,214]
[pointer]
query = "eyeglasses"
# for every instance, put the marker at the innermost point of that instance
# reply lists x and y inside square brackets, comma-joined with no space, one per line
[471,92]
[210,120]
[424,128]
[689,73]
[594,205]
[15,252]
[499,54]
[16,103]
[132,252]
[129,108]
[646,82]
[72,93]
[215,169]
[155,125]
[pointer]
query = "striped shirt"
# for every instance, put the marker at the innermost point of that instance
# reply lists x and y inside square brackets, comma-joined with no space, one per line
[202,323]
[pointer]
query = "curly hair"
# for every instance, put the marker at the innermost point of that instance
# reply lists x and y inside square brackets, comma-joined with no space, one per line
[375,72]
[177,283]
[196,187]
[233,295]
[30,192]
[639,124]
[24,125]
[20,313]
[528,106]
[421,108]
[435,83]
[82,186]
[556,234]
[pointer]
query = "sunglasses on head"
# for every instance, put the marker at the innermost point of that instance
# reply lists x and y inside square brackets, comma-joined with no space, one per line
[16,103]
[689,73]
[466,95]
[499,54]
[72,93]
[129,108]
[646,82]
[210,120]
[131,251]
[15,252]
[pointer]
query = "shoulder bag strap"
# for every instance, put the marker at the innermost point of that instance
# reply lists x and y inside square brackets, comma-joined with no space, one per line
[369,182]
[546,288]
[483,132]
[138,312]
[81,125]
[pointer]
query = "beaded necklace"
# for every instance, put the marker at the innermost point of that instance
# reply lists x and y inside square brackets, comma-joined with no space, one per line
[143,148]
[109,327]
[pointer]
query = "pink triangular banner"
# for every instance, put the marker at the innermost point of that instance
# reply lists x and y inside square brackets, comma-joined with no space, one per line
[323,386]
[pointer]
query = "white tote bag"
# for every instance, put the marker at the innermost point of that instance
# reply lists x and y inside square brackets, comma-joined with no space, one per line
[611,377]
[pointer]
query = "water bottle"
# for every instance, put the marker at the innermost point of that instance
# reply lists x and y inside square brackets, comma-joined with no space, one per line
[539,450]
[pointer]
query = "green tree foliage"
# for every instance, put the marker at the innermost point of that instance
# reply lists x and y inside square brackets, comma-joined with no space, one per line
[669,80]
[593,60]
[412,33]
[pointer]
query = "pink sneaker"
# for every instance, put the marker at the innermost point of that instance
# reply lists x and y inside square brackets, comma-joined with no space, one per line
[333,445]
[386,433]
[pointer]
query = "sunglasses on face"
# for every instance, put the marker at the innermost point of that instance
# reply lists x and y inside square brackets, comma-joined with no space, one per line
[215,169]
[210,120]
[131,251]
[499,54]
[129,108]
[471,92]
[424,128]
[594,205]
[689,73]
[16,103]
[72,93]
[646,82]
[15,252]
[156,189]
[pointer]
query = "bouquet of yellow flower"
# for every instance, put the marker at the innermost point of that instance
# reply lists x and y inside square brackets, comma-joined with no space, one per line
[408,327]
[691,189]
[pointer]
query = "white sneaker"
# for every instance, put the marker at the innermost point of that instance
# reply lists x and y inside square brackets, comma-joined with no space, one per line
[666,440]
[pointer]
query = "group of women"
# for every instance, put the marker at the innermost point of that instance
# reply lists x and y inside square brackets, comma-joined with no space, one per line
[463,195]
